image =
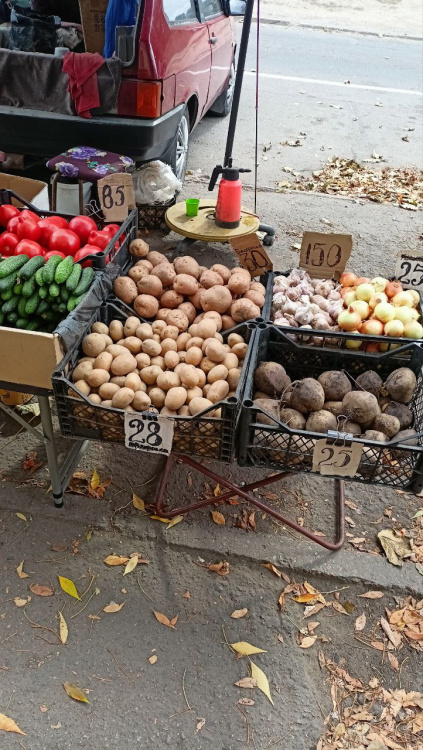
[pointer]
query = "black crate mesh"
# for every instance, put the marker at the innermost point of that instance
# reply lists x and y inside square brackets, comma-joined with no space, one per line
[285,450]
[153,216]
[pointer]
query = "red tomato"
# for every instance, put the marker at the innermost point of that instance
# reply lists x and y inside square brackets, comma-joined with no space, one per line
[65,241]
[27,215]
[7,212]
[29,248]
[47,227]
[59,221]
[49,254]
[84,251]
[8,243]
[13,224]
[82,226]
[101,239]
[111,229]
[28,230]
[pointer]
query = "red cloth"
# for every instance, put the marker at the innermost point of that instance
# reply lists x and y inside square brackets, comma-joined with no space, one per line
[83,86]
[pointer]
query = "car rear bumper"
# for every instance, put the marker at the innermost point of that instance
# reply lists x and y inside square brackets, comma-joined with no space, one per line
[29,131]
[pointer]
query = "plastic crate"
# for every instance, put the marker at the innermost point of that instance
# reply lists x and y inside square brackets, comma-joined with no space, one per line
[202,435]
[327,339]
[152,216]
[279,447]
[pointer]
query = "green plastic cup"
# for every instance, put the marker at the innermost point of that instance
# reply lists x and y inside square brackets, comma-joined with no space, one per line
[192,205]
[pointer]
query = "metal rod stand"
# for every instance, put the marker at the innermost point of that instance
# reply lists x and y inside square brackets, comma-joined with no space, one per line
[245,492]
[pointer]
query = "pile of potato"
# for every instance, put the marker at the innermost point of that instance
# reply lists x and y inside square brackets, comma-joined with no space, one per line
[180,293]
[137,366]
[365,407]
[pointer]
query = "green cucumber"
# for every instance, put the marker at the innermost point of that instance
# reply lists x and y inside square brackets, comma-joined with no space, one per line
[17,289]
[30,268]
[42,307]
[50,268]
[87,277]
[73,280]
[64,270]
[10,305]
[49,315]
[39,276]
[8,281]
[8,294]
[74,301]
[43,292]
[33,325]
[21,306]
[32,304]
[62,308]
[12,264]
[12,318]
[21,322]
[28,288]
[1,318]
[53,290]
[64,294]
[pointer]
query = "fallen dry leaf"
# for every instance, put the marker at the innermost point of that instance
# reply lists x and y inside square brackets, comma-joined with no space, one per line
[95,480]
[339,608]
[137,502]
[308,641]
[113,607]
[131,565]
[22,517]
[21,602]
[174,521]
[218,518]
[246,649]
[378,645]
[8,725]
[395,546]
[238,613]
[371,595]
[281,601]
[393,637]
[116,560]
[63,629]
[41,590]
[246,702]
[360,622]
[20,572]
[200,724]
[152,659]
[246,682]
[280,638]
[393,662]
[58,547]
[164,620]
[75,692]
[43,709]
[89,535]
[272,568]
[222,568]
[187,595]
[68,586]
[310,611]
[261,680]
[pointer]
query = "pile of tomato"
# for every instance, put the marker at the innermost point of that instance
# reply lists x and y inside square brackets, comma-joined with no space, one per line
[28,234]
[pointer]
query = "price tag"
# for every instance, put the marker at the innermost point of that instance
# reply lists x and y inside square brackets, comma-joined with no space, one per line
[338,460]
[116,196]
[324,256]
[149,432]
[409,271]
[251,254]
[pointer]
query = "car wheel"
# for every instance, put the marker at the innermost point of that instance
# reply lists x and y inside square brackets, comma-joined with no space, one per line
[177,154]
[223,104]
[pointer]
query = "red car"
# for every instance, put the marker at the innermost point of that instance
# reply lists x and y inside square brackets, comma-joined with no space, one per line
[178,64]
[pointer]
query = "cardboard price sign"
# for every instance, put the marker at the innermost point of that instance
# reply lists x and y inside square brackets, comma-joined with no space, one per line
[149,432]
[409,271]
[251,254]
[332,460]
[324,256]
[116,196]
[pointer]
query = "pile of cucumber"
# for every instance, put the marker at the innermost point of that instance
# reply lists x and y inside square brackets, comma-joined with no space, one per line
[36,295]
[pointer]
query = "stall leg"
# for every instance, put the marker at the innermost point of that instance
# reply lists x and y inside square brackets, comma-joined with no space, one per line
[269,237]
[183,247]
[244,492]
[53,465]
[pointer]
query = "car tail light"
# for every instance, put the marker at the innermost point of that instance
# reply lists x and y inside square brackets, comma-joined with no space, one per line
[140,98]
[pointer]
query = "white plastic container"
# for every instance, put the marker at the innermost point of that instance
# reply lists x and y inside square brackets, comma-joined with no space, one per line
[67,197]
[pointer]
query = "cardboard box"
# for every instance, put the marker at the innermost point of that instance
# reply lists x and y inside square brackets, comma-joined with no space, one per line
[28,358]
[34,191]
[13,398]
[93,13]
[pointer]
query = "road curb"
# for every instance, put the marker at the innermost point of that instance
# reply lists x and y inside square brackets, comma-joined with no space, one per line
[312,27]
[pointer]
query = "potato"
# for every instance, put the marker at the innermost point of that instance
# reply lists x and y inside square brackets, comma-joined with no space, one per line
[93,344]
[94,398]
[258,287]
[100,328]
[141,401]
[137,273]
[408,437]
[292,418]
[158,326]
[239,269]
[139,248]
[157,396]
[83,369]
[144,331]
[122,398]
[159,361]
[206,329]
[255,297]
[217,299]
[185,284]
[150,285]
[146,305]
[163,313]
[171,359]
[238,283]
[169,332]
[133,344]
[167,380]
[165,272]
[213,315]
[133,381]
[144,262]
[178,319]
[195,392]
[189,310]
[202,378]
[218,391]
[321,421]
[182,341]
[222,270]
[244,309]
[193,356]
[360,406]
[401,384]
[234,338]
[123,364]
[150,374]
[370,381]
[87,359]
[83,386]
[220,372]
[209,279]
[168,345]
[231,361]
[118,380]
[307,395]
[379,437]
[193,330]
[227,322]
[215,351]
[188,375]
[130,326]
[198,405]
[335,407]
[335,384]
[107,339]
[195,341]
[155,258]
[240,350]
[116,349]
[206,389]
[271,378]
[171,299]
[206,365]
[387,424]
[166,412]
[175,398]
[184,411]
[151,347]
[103,361]
[271,409]
[125,289]
[401,412]
[234,375]
[108,390]
[143,360]
[187,265]
[346,425]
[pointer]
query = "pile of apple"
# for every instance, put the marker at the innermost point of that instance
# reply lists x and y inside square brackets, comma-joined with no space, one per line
[378,307]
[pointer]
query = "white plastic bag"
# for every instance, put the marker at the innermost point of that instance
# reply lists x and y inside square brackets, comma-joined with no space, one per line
[155,183]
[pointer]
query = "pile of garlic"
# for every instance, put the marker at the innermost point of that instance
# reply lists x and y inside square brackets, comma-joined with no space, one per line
[302,302]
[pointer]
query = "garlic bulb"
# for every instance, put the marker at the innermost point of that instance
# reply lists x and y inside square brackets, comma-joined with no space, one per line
[320,322]
[333,296]
[335,308]
[289,308]
[304,316]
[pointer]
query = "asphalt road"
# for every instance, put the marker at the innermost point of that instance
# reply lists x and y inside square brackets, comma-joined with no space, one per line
[303,90]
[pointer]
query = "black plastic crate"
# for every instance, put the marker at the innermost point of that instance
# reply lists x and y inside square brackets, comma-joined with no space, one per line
[279,447]
[325,339]
[152,215]
[201,436]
